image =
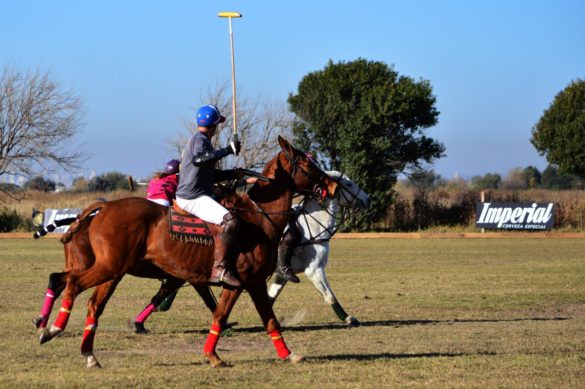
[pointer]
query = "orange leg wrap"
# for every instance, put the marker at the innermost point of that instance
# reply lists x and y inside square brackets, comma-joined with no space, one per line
[64,313]
[279,344]
[88,335]
[212,339]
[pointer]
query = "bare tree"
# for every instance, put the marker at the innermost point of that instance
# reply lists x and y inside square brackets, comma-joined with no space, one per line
[259,124]
[37,120]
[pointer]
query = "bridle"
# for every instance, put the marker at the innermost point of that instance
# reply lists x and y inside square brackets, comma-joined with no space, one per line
[318,190]
[327,232]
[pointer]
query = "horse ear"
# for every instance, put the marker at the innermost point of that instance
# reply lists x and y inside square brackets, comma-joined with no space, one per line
[285,145]
[332,188]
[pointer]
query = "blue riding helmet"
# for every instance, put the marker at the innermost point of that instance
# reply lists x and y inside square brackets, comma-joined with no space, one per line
[172,167]
[208,116]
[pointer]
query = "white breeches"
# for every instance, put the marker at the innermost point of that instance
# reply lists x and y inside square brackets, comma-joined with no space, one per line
[205,208]
[164,202]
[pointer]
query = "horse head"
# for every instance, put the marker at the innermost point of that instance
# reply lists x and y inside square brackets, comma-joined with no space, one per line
[306,175]
[349,194]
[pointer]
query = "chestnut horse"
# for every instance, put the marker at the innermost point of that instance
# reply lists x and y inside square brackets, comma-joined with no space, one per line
[129,235]
[79,256]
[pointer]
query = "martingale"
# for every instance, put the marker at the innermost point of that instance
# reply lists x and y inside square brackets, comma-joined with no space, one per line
[188,228]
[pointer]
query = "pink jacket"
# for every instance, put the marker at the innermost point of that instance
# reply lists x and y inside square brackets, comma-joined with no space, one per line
[163,188]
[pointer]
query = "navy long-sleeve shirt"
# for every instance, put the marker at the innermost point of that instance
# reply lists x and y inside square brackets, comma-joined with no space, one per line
[195,180]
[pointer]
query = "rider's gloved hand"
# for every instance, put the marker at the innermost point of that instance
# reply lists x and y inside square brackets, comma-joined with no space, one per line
[235,147]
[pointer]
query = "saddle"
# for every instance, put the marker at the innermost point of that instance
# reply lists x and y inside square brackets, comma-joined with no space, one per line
[188,228]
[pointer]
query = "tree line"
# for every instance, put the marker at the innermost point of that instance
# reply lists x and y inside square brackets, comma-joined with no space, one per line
[360,117]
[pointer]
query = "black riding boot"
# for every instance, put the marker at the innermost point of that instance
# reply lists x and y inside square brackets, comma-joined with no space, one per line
[225,254]
[285,250]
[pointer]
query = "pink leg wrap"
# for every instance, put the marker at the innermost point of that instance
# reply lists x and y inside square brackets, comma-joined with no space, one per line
[47,307]
[142,316]
[64,313]
[279,344]
[212,339]
[88,335]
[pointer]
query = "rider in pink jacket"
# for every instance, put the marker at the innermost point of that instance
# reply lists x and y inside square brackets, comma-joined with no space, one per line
[163,186]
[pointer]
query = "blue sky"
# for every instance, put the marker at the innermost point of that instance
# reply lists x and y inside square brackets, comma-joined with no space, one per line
[142,66]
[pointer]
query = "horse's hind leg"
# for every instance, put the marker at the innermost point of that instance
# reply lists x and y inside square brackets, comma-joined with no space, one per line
[171,285]
[259,295]
[95,308]
[319,280]
[77,282]
[220,315]
[56,285]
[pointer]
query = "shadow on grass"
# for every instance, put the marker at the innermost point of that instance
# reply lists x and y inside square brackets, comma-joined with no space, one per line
[373,323]
[389,356]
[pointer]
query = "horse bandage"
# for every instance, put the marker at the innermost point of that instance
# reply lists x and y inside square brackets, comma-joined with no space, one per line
[279,344]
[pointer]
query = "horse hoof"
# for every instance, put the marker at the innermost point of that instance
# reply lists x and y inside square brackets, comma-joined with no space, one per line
[47,334]
[37,321]
[214,360]
[294,358]
[140,329]
[92,362]
[218,364]
[352,322]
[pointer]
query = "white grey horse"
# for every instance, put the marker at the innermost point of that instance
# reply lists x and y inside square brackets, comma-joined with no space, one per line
[318,222]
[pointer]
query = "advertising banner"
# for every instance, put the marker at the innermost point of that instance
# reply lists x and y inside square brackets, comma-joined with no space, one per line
[57,214]
[515,216]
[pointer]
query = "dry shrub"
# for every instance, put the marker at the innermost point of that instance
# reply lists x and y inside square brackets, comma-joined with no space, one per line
[454,207]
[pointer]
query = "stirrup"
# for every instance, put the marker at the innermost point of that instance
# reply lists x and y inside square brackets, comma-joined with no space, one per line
[227,279]
[288,274]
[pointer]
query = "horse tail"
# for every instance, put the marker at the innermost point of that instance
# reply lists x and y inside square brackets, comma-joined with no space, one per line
[83,219]
[74,222]
[53,226]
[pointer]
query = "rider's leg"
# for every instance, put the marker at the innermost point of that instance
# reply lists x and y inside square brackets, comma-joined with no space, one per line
[287,244]
[225,253]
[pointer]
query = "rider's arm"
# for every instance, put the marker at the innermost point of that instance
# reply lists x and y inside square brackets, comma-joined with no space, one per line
[206,157]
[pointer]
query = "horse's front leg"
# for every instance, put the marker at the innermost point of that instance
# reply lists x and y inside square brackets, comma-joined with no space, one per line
[276,288]
[95,308]
[319,280]
[220,315]
[259,294]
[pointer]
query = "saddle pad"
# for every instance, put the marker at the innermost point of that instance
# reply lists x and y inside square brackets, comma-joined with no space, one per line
[188,228]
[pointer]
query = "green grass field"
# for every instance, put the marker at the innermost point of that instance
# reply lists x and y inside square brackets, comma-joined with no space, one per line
[434,312]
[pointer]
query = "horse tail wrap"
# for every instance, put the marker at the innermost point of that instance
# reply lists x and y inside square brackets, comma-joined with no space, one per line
[74,222]
[84,218]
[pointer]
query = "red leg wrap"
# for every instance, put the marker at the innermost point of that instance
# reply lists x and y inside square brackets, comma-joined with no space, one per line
[212,339]
[279,344]
[88,335]
[64,313]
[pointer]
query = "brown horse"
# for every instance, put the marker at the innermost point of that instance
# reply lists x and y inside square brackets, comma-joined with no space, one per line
[79,256]
[130,235]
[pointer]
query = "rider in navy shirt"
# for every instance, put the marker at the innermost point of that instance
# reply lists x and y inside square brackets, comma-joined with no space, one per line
[195,191]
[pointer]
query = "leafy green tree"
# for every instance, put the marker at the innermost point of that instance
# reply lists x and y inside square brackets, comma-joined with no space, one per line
[560,131]
[552,178]
[108,182]
[39,183]
[366,120]
[487,181]
[424,179]
[533,177]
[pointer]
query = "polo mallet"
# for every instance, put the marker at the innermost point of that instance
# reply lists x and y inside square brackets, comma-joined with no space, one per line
[231,15]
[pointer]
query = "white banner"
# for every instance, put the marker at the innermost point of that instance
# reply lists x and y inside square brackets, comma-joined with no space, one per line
[57,214]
